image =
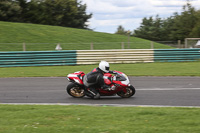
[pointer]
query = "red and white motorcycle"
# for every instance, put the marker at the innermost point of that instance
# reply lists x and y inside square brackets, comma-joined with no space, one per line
[119,83]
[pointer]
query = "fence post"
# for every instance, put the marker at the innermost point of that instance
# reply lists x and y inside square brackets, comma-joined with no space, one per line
[179,43]
[122,45]
[91,46]
[24,46]
[129,41]
[152,45]
[128,32]
[186,43]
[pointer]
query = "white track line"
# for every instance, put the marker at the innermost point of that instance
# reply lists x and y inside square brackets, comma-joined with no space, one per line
[167,89]
[114,105]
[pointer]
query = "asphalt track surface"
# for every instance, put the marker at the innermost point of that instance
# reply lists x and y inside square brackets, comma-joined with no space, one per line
[150,91]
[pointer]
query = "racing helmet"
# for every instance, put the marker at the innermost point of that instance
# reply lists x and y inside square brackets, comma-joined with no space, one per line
[104,66]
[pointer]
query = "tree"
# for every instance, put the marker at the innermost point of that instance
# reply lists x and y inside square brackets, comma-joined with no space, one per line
[184,23]
[10,11]
[195,33]
[36,12]
[67,13]
[176,27]
[120,30]
[81,17]
[74,14]
[23,6]
[146,28]
[167,28]
[157,32]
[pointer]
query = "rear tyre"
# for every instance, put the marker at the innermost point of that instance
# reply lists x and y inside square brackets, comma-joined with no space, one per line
[75,90]
[130,91]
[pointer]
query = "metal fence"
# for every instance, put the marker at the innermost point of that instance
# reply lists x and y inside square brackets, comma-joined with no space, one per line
[175,44]
[85,46]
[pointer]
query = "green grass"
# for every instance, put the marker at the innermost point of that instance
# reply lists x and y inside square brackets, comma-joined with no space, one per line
[101,119]
[44,37]
[139,69]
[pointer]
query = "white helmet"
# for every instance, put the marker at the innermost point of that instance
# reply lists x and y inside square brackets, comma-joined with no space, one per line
[104,66]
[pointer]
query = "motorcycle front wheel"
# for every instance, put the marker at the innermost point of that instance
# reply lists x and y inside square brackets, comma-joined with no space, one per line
[130,91]
[75,90]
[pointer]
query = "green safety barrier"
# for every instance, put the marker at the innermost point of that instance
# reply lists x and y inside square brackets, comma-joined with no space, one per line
[73,57]
[176,55]
[37,58]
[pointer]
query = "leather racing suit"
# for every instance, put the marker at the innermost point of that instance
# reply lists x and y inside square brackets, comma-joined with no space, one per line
[92,80]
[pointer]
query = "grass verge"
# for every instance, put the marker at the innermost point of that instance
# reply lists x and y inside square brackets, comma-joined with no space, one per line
[43,37]
[138,69]
[102,119]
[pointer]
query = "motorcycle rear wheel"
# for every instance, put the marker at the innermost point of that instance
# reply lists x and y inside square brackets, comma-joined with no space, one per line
[75,91]
[130,92]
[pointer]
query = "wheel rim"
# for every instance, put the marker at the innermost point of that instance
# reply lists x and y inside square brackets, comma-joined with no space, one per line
[127,94]
[77,92]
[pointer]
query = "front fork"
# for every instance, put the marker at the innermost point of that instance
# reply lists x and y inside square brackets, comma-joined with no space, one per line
[124,88]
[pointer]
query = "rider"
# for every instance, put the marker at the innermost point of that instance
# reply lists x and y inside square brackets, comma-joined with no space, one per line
[94,79]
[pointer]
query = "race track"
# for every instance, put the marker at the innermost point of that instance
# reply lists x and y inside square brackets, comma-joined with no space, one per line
[150,91]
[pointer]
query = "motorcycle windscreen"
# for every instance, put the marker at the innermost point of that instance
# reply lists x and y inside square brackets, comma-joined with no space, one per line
[120,78]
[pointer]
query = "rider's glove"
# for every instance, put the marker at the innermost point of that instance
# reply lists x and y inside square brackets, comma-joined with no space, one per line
[113,72]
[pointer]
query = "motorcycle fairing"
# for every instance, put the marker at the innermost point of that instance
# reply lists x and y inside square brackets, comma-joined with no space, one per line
[76,77]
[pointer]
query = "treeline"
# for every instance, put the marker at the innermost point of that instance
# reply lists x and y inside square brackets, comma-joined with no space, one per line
[176,27]
[66,13]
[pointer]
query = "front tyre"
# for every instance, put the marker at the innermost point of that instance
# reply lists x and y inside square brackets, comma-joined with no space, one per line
[130,91]
[75,90]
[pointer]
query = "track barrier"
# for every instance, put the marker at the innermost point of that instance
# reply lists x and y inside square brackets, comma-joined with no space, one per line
[176,55]
[37,58]
[78,57]
[114,56]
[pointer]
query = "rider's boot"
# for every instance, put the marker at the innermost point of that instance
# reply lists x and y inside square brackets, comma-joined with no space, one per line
[93,93]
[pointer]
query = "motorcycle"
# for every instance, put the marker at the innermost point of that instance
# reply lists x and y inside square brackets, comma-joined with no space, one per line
[119,83]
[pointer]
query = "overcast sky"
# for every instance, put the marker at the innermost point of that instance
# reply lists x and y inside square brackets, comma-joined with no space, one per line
[109,14]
